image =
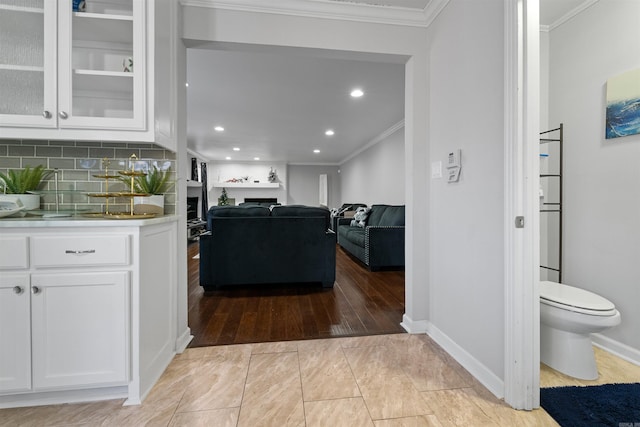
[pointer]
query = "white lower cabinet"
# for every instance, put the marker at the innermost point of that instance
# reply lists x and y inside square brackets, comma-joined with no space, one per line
[79,329]
[15,333]
[87,311]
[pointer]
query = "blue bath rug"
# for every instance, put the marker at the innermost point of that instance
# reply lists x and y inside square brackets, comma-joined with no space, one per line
[615,405]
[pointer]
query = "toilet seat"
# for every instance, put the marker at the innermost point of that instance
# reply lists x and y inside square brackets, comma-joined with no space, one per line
[575,299]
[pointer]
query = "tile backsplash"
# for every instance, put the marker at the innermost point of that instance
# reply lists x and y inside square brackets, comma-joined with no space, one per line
[76,162]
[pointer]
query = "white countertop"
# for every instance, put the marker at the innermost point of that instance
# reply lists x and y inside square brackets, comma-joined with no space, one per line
[80,221]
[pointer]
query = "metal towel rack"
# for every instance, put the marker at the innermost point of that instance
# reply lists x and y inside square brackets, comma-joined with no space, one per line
[546,137]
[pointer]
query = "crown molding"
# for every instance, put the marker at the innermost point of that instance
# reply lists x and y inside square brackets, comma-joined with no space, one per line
[329,9]
[197,155]
[384,135]
[433,9]
[313,164]
[570,15]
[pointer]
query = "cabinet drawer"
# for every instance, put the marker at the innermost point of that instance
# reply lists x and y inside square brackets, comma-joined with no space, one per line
[14,252]
[70,251]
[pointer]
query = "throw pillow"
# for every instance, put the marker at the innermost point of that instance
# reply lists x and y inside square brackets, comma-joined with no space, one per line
[360,217]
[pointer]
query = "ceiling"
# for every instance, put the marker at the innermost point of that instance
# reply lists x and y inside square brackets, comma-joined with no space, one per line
[275,105]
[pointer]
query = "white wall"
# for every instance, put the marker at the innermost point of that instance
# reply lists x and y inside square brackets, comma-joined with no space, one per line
[602,177]
[304,183]
[376,175]
[466,112]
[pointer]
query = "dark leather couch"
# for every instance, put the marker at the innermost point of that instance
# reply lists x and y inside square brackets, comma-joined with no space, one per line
[380,243]
[255,245]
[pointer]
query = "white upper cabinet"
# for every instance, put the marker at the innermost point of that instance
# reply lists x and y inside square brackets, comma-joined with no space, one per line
[68,74]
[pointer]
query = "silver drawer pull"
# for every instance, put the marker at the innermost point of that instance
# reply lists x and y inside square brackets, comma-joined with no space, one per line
[35,290]
[88,251]
[18,289]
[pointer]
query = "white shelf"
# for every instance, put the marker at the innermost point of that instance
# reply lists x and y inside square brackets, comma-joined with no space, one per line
[12,67]
[21,9]
[194,184]
[103,81]
[102,28]
[247,184]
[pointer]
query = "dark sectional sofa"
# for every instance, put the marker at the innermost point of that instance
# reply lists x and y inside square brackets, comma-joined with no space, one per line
[255,245]
[380,244]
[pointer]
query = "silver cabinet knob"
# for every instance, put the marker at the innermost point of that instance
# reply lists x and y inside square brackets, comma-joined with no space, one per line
[46,114]
[35,290]
[63,115]
[18,290]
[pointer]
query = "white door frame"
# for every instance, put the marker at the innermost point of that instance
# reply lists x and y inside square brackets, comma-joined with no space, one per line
[522,245]
[521,182]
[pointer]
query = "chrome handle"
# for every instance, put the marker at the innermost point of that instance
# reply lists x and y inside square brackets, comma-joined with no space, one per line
[35,290]
[17,290]
[63,115]
[88,251]
[46,114]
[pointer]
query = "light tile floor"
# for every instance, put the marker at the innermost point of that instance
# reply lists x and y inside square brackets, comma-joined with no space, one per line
[382,381]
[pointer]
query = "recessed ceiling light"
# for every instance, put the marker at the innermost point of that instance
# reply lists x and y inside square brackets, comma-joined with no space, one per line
[329,132]
[186,84]
[357,93]
[256,158]
[227,158]
[218,129]
[316,151]
[236,148]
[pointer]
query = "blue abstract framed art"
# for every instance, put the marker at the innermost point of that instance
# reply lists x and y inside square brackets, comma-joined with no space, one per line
[623,105]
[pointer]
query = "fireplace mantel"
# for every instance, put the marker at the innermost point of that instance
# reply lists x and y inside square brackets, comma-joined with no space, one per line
[247,184]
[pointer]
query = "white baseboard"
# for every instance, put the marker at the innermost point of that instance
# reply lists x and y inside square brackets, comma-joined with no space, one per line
[183,340]
[414,327]
[621,350]
[486,377]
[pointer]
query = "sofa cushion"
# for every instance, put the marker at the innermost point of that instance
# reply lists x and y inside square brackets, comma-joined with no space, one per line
[386,215]
[392,216]
[356,236]
[235,211]
[376,214]
[302,211]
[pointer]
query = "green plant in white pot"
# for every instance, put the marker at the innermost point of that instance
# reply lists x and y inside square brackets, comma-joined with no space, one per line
[155,183]
[16,185]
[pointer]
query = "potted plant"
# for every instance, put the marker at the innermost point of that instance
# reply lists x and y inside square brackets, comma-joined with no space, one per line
[17,185]
[155,183]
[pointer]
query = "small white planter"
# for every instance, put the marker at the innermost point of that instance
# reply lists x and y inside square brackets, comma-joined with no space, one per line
[149,205]
[29,201]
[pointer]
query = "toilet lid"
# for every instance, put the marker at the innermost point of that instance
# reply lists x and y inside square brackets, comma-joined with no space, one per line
[575,299]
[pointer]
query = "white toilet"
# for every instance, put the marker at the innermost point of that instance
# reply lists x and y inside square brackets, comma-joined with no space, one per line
[567,316]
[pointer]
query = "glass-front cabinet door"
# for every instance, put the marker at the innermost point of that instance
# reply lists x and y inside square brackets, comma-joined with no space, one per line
[28,62]
[73,68]
[101,65]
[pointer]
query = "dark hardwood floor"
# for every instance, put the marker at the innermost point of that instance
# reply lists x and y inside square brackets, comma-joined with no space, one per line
[360,303]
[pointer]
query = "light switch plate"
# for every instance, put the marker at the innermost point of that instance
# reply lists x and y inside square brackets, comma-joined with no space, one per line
[436,169]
